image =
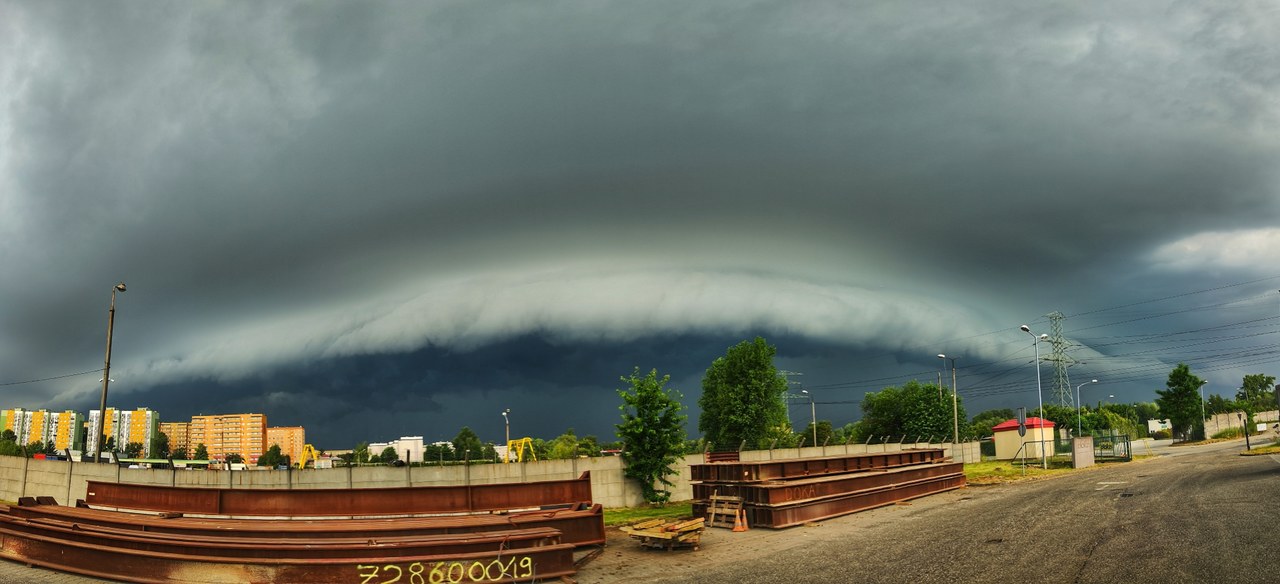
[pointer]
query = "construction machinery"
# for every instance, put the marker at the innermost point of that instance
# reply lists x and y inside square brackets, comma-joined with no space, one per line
[309,454]
[518,447]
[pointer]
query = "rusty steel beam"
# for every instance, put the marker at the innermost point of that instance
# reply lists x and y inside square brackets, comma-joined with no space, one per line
[226,549]
[52,550]
[766,470]
[579,526]
[782,516]
[340,502]
[264,547]
[784,492]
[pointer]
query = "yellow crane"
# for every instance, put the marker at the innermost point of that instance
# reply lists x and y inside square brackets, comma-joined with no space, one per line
[517,447]
[308,454]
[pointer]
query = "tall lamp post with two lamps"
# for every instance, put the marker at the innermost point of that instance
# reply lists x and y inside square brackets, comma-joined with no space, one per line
[1044,455]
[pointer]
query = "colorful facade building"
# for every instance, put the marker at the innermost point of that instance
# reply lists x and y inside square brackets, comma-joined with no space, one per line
[124,427]
[225,434]
[290,439]
[179,434]
[61,429]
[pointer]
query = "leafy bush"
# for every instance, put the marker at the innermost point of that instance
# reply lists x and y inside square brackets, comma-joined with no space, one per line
[1164,434]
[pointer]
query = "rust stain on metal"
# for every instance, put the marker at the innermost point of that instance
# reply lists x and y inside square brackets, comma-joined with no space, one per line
[340,502]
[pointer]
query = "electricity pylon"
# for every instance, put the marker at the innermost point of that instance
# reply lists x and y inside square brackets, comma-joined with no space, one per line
[1060,360]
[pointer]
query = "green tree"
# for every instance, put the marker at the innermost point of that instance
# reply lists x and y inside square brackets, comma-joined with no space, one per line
[652,432]
[201,453]
[160,445]
[389,455]
[360,454]
[178,453]
[565,446]
[743,397]
[982,424]
[1218,405]
[109,445]
[133,450]
[1180,401]
[235,458]
[1061,416]
[911,411]
[589,445]
[9,436]
[1147,411]
[437,453]
[272,458]
[826,434]
[541,449]
[1256,391]
[467,445]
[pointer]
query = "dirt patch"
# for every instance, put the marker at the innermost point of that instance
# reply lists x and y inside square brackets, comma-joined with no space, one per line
[625,560]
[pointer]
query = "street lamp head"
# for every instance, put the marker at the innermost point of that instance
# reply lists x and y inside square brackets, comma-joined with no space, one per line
[120,287]
[1093,381]
[1044,337]
[941,356]
[804,391]
[1025,328]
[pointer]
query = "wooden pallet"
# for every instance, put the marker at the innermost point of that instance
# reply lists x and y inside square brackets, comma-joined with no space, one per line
[667,535]
[723,511]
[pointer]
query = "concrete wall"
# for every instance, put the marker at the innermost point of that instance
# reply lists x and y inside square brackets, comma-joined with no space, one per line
[66,481]
[1219,422]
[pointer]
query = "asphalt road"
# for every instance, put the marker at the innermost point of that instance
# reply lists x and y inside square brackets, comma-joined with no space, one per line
[1201,514]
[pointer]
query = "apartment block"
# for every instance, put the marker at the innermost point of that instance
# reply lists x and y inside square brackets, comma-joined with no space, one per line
[290,439]
[179,434]
[58,428]
[64,430]
[124,426]
[224,434]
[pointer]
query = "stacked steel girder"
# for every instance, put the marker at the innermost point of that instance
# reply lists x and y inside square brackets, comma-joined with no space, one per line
[784,493]
[516,546]
[340,502]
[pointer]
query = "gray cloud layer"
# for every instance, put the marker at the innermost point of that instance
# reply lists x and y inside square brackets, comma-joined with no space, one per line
[293,184]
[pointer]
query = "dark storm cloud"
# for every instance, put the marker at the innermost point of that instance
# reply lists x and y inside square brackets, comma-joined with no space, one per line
[314,203]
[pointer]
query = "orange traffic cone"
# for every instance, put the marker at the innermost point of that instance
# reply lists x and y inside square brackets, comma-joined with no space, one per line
[740,521]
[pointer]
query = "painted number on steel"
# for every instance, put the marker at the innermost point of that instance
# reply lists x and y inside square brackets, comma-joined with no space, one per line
[447,572]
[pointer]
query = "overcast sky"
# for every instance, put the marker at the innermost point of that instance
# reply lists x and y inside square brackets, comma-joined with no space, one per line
[381,219]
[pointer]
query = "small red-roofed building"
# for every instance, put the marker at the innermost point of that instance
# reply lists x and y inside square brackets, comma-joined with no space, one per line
[1008,442]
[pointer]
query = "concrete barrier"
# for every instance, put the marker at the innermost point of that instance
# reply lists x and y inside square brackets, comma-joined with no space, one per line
[66,481]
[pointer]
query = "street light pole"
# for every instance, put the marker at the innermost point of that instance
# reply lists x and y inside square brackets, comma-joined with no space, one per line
[813,411]
[1078,431]
[507,422]
[106,375]
[955,404]
[1044,456]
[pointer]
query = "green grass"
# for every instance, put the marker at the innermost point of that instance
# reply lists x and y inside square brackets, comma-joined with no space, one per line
[1002,471]
[629,515]
[1229,433]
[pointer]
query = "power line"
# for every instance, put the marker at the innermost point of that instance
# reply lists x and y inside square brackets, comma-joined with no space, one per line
[51,378]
